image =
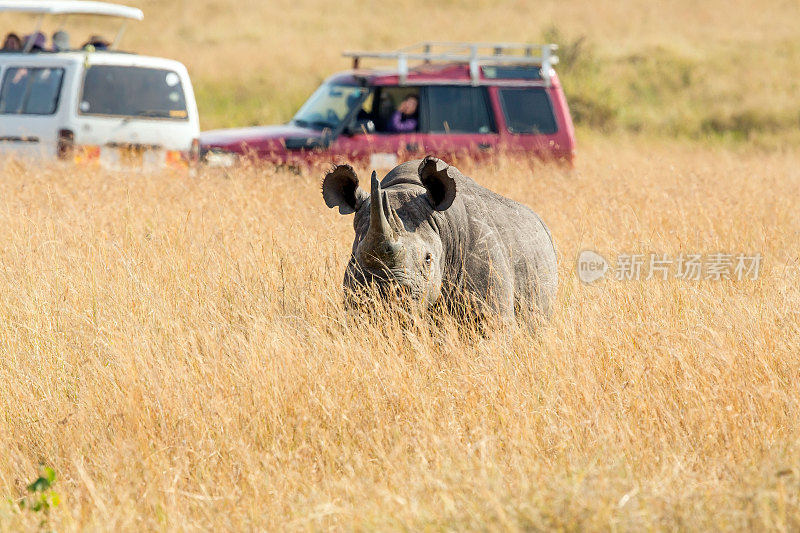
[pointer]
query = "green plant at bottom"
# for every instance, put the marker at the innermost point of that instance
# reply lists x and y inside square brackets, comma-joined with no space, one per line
[41,497]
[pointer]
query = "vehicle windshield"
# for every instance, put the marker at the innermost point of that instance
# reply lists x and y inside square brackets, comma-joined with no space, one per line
[122,91]
[329,106]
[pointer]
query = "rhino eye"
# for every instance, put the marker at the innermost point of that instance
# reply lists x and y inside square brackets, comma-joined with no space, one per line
[428,258]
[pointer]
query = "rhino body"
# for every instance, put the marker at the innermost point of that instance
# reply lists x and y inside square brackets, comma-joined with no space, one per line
[438,236]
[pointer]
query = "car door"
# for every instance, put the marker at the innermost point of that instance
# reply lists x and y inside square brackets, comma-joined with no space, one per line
[456,120]
[370,136]
[29,98]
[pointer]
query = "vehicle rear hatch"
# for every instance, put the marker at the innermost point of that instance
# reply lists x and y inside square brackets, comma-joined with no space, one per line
[135,115]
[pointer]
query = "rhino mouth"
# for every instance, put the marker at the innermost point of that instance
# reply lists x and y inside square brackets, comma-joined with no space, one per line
[385,284]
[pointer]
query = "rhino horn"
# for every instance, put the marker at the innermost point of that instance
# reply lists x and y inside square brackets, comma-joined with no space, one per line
[378,222]
[382,236]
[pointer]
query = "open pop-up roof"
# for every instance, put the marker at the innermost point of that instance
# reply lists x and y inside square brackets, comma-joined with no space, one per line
[71,7]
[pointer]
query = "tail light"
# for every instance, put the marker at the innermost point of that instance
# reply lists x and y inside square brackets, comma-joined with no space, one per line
[65,146]
[86,154]
[190,158]
[176,158]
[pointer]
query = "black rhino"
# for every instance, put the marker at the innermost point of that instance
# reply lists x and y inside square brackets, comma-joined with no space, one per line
[437,236]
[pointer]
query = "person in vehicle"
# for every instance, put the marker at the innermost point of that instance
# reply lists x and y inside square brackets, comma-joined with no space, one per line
[97,42]
[405,119]
[60,41]
[38,39]
[12,43]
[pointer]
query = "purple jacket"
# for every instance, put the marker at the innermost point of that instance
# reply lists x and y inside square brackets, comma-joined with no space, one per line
[401,124]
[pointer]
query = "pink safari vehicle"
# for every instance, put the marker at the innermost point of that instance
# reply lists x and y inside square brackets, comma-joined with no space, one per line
[457,99]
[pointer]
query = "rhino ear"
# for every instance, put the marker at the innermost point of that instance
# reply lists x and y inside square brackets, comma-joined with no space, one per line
[437,177]
[340,189]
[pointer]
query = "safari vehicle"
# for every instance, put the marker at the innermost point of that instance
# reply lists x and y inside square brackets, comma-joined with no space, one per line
[471,99]
[93,104]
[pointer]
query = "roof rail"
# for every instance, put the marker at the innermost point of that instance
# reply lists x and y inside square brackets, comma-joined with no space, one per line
[474,54]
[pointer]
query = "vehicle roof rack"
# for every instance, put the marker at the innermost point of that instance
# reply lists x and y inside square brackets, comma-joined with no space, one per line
[64,8]
[473,54]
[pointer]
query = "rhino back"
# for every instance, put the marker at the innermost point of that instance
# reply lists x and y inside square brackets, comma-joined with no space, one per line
[508,238]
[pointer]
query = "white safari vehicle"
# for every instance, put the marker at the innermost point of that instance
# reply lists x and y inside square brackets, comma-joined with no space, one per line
[89,103]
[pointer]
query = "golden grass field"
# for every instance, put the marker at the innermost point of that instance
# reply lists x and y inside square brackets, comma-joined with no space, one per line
[175,347]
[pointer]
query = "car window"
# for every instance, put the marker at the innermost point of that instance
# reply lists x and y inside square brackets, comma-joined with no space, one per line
[43,93]
[363,120]
[497,72]
[124,91]
[458,110]
[389,103]
[330,104]
[31,91]
[528,110]
[366,105]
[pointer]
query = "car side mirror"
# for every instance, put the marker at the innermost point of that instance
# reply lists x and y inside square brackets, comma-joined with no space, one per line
[361,127]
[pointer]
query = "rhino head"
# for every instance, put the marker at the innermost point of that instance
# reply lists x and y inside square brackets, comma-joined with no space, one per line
[398,246]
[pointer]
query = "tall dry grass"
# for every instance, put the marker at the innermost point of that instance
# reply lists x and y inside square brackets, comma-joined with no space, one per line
[176,350]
